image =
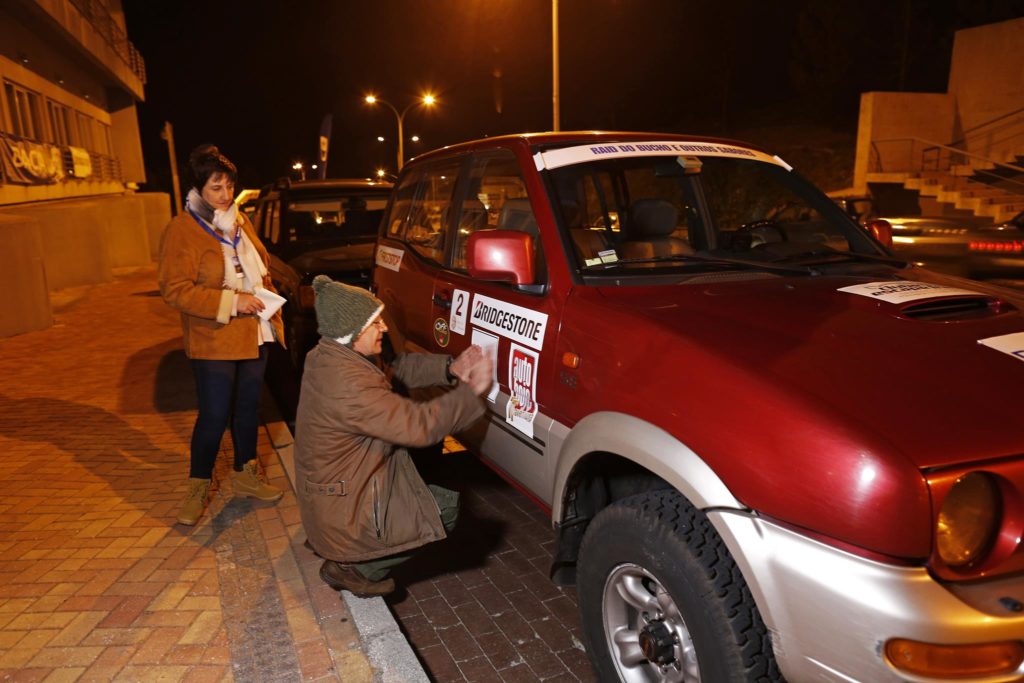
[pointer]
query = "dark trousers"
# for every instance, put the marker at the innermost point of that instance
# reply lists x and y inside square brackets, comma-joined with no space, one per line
[447,504]
[228,390]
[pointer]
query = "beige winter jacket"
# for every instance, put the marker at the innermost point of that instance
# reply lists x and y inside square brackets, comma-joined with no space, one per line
[359,493]
[191,276]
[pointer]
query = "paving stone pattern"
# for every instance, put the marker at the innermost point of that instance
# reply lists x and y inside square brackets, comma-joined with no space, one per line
[479,606]
[97,581]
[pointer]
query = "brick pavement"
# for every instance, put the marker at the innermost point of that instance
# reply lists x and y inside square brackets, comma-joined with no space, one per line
[479,606]
[97,582]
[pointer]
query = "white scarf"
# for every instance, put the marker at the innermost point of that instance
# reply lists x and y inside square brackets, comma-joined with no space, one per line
[229,223]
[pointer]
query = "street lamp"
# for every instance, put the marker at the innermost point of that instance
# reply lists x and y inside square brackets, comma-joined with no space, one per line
[297,166]
[426,101]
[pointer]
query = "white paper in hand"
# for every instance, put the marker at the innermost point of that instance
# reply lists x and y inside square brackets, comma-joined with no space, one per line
[271,301]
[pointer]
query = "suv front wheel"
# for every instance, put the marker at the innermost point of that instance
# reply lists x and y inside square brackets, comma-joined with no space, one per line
[662,599]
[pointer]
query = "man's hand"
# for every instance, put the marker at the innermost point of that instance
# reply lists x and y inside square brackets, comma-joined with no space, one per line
[481,375]
[465,360]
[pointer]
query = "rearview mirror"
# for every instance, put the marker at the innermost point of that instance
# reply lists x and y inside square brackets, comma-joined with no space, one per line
[881,231]
[501,255]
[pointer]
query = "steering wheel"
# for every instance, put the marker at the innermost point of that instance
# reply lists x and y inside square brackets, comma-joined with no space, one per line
[763,232]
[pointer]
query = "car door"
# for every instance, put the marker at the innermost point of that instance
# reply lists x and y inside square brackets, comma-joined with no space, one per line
[509,322]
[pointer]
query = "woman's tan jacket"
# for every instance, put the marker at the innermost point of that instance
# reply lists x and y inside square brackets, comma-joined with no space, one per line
[191,279]
[359,493]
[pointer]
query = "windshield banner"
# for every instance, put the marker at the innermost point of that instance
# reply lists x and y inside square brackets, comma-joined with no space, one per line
[581,154]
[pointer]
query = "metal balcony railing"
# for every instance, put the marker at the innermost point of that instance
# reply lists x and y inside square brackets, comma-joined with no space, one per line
[97,14]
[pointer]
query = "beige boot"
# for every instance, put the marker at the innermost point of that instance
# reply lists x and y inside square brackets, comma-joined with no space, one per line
[248,483]
[195,501]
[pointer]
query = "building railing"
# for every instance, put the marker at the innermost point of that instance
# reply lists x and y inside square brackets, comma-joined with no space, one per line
[97,14]
[916,155]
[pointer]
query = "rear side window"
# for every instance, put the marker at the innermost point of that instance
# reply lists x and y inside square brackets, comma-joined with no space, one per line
[421,212]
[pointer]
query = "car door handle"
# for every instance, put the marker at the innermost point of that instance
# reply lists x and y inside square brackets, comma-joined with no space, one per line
[442,301]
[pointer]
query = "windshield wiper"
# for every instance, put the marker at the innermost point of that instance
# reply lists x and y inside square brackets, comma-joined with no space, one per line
[716,261]
[825,256]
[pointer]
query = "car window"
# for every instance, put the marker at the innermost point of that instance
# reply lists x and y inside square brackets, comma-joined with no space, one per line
[676,214]
[333,219]
[641,208]
[496,199]
[424,224]
[257,220]
[274,220]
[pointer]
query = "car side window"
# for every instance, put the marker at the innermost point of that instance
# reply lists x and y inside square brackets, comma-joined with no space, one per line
[262,229]
[425,225]
[496,200]
[274,220]
[398,218]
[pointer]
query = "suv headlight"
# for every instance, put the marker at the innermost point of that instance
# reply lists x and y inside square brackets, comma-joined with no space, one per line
[969,520]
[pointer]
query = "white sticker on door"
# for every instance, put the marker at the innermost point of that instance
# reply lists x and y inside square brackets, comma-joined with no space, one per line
[519,324]
[389,258]
[488,343]
[460,311]
[522,385]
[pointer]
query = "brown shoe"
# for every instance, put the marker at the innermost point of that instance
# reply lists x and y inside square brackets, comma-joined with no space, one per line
[339,576]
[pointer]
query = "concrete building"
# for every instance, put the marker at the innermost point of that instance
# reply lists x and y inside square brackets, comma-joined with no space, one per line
[70,154]
[960,152]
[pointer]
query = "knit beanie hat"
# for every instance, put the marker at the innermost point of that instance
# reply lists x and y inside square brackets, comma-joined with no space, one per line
[343,311]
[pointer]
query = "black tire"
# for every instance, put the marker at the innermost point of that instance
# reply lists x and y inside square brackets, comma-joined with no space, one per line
[705,626]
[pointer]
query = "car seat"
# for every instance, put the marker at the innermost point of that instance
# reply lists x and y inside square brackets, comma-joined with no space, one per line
[648,231]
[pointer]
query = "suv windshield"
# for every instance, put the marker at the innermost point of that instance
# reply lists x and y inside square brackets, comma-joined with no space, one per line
[632,214]
[336,219]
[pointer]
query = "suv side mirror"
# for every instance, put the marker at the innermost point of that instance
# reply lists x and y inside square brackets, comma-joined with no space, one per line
[881,231]
[502,255]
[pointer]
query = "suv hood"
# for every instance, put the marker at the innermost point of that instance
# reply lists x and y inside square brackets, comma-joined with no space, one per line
[912,376]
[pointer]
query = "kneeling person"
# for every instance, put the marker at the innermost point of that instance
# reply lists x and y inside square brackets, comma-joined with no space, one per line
[363,504]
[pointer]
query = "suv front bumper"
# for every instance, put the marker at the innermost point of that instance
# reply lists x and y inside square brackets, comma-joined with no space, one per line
[831,612]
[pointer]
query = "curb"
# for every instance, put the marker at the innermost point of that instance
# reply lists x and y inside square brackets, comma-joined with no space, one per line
[384,644]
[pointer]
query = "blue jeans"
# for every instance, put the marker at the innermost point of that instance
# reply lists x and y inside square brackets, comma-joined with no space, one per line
[228,390]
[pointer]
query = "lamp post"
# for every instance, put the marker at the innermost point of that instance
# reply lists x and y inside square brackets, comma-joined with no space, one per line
[426,101]
[297,166]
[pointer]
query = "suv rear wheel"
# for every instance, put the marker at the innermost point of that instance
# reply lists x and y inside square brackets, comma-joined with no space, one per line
[662,599]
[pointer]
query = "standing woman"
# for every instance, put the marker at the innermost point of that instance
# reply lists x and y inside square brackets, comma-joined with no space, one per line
[211,264]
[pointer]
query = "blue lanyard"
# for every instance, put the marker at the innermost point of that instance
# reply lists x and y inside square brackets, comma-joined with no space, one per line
[204,226]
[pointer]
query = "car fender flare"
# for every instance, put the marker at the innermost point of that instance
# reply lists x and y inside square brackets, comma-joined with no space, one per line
[647,445]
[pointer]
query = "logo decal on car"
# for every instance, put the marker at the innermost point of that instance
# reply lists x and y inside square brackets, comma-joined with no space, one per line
[1010,344]
[441,335]
[460,311]
[389,258]
[522,384]
[508,320]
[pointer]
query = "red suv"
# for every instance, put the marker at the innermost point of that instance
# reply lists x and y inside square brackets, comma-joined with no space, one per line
[769,448]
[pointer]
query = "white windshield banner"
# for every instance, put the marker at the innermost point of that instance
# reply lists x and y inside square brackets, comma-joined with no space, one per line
[901,291]
[581,154]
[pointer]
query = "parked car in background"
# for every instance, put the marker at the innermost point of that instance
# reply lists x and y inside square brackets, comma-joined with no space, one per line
[245,201]
[968,247]
[769,448]
[312,227]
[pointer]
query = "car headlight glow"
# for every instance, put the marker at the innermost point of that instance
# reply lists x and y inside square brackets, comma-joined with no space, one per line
[969,520]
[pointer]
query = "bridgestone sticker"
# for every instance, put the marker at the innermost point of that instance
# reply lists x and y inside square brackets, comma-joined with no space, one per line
[1010,344]
[610,150]
[522,388]
[389,258]
[898,292]
[519,324]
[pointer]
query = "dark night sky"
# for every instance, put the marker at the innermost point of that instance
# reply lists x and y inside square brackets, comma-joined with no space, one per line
[256,77]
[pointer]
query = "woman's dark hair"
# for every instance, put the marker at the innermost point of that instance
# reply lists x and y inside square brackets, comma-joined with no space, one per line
[205,161]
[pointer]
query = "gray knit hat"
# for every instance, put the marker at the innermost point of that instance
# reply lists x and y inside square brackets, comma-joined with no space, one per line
[343,311]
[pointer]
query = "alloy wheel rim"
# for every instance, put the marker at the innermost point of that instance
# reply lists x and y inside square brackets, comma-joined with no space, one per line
[646,634]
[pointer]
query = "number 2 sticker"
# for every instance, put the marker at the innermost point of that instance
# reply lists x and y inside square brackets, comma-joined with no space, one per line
[460,310]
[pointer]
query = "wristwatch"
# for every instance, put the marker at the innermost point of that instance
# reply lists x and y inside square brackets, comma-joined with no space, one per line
[448,370]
